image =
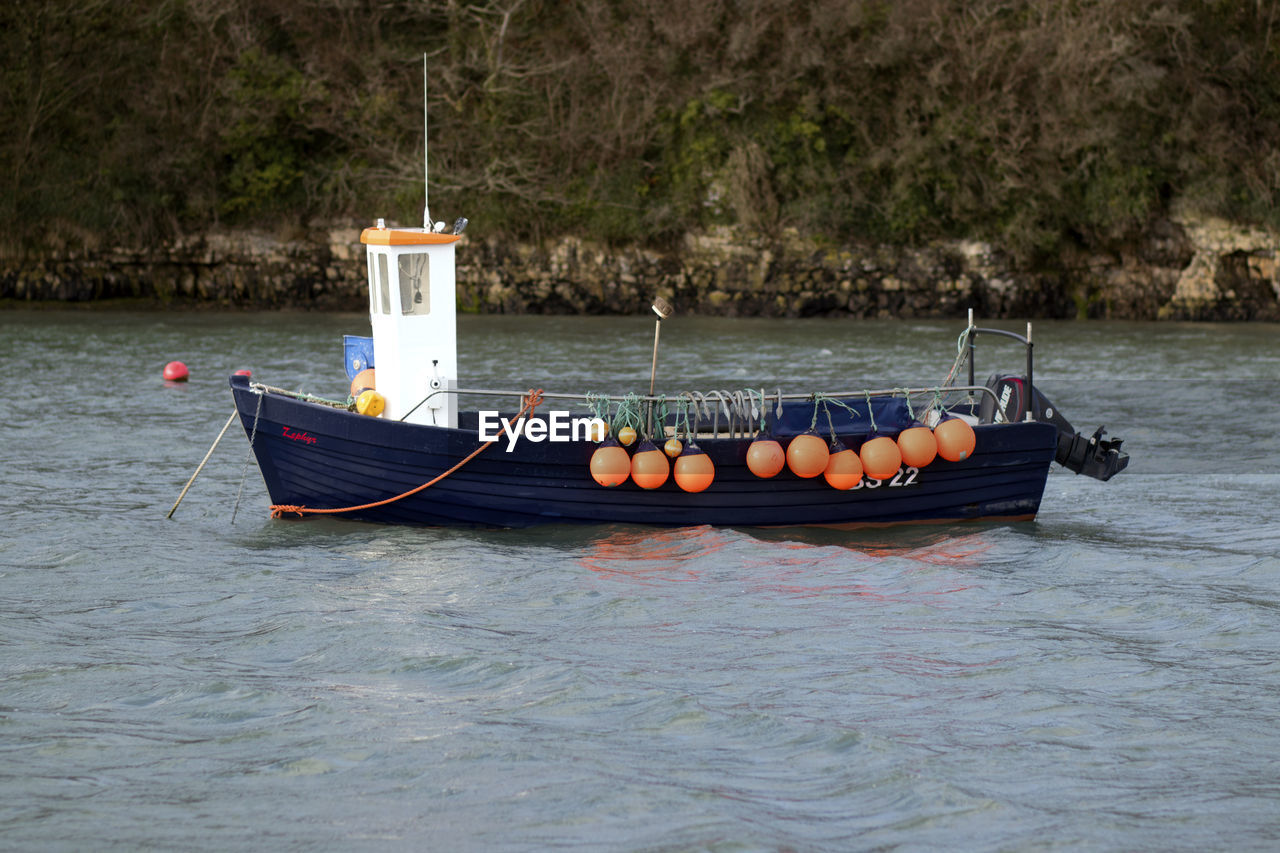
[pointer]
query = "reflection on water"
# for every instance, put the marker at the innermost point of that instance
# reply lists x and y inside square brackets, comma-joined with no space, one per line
[653,556]
[788,562]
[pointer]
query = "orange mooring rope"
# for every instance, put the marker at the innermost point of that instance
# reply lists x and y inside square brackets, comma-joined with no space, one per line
[532,399]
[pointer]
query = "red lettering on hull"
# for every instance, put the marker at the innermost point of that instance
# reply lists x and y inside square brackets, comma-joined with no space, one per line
[299,436]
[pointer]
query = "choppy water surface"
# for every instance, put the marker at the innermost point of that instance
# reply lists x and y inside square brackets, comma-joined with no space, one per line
[1106,677]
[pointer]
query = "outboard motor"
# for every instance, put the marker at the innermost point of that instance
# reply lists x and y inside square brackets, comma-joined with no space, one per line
[1098,457]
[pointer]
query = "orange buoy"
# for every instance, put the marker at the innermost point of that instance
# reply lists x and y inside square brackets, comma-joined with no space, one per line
[176,371]
[844,468]
[610,464]
[880,457]
[917,445]
[363,381]
[807,455]
[673,447]
[627,436]
[649,466]
[370,403]
[765,457]
[956,439]
[694,469]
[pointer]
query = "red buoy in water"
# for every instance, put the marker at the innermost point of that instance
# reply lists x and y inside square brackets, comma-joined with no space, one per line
[243,373]
[176,371]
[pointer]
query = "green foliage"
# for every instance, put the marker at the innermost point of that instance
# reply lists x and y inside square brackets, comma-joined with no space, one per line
[1037,126]
[266,140]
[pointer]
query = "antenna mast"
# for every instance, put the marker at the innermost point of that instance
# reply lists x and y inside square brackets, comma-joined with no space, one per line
[426,165]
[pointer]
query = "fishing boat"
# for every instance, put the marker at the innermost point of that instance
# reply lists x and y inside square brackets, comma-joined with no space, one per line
[412,445]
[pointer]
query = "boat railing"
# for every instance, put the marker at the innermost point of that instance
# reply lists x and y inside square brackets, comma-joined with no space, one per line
[775,397]
[261,388]
[971,334]
[735,406]
[723,399]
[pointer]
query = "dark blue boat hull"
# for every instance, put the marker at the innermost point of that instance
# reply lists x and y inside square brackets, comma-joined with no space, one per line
[322,457]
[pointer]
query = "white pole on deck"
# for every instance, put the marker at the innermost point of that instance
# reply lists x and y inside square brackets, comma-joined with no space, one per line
[1030,404]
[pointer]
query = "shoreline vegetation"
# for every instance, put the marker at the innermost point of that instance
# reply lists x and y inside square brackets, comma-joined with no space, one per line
[768,157]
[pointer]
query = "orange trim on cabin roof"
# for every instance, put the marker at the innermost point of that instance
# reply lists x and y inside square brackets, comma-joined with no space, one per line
[405,237]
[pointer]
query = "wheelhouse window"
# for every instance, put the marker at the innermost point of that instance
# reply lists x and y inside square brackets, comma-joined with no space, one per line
[384,284]
[415,291]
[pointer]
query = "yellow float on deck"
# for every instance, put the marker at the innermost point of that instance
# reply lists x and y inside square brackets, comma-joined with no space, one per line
[370,403]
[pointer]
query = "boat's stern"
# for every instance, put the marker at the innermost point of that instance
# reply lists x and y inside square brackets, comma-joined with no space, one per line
[1093,455]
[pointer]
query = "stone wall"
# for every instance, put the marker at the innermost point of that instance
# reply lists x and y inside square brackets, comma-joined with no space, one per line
[1185,268]
[240,269]
[723,273]
[1232,274]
